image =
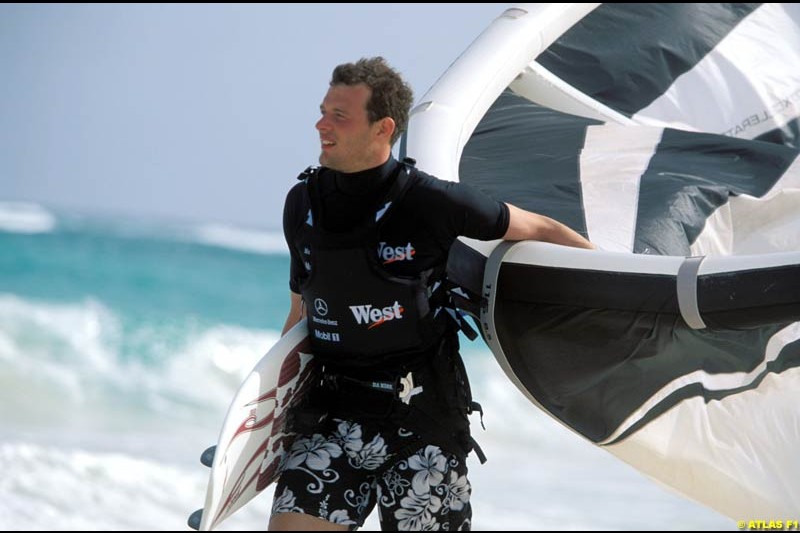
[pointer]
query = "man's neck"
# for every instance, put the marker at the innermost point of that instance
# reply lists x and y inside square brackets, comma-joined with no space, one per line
[366,180]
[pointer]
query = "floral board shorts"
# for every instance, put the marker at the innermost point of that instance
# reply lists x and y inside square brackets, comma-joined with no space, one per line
[340,476]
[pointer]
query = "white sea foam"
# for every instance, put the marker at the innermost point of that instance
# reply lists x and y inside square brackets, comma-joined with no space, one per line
[154,483]
[218,358]
[94,440]
[236,238]
[55,347]
[68,357]
[23,217]
[51,488]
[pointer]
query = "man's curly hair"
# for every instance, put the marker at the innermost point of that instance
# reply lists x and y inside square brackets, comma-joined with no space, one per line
[391,95]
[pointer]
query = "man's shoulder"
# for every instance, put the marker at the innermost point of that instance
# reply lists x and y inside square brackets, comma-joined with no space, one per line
[297,195]
[425,180]
[303,177]
[297,192]
[430,186]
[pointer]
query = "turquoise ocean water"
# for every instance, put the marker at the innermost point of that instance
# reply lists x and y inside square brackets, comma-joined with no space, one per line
[123,340]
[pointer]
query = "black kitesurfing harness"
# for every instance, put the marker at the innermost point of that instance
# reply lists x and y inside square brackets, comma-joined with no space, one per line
[386,353]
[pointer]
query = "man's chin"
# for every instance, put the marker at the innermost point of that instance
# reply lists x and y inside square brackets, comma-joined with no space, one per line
[329,162]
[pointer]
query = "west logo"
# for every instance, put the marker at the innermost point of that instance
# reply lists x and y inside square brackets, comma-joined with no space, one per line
[390,254]
[375,316]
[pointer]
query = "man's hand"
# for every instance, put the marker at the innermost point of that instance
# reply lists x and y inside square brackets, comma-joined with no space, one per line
[297,312]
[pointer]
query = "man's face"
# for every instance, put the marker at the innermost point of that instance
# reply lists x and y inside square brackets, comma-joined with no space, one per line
[349,142]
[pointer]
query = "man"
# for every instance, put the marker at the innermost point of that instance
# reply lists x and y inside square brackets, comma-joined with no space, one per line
[369,238]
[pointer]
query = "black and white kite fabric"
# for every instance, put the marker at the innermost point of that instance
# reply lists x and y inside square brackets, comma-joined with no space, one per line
[668,135]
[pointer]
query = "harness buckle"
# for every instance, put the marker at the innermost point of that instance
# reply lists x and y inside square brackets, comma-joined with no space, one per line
[330,382]
[308,172]
[406,389]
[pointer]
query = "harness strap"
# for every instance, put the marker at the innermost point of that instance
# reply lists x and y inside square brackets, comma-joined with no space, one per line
[419,421]
[460,319]
[403,388]
[413,417]
[396,192]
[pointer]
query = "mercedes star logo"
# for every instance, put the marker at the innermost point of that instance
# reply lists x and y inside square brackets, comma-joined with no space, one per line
[320,307]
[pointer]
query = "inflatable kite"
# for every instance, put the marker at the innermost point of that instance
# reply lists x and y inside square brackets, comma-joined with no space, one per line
[668,135]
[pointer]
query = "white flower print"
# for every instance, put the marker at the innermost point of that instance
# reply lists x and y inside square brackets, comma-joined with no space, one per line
[323,506]
[340,516]
[431,465]
[417,512]
[361,499]
[285,503]
[349,435]
[395,487]
[371,456]
[315,451]
[401,432]
[458,491]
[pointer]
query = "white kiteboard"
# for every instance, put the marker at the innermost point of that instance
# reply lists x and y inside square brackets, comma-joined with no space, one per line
[254,438]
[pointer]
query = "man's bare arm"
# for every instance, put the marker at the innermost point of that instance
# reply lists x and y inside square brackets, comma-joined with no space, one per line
[524,225]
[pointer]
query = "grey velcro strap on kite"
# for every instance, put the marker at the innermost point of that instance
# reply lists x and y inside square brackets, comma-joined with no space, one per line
[489,292]
[488,300]
[687,292]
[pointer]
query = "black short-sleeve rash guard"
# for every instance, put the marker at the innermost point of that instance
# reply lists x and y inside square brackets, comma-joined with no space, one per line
[420,231]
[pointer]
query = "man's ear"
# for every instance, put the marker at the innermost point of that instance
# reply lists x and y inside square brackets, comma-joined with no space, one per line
[386,127]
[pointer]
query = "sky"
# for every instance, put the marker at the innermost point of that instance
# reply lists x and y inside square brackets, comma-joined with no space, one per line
[192,112]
